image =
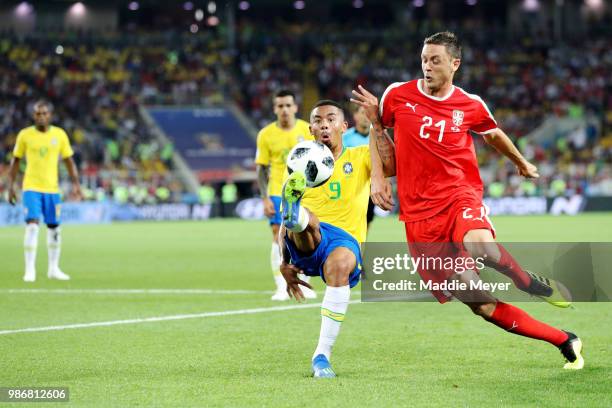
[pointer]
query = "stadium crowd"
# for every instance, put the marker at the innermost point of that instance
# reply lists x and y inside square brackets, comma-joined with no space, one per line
[98,85]
[523,84]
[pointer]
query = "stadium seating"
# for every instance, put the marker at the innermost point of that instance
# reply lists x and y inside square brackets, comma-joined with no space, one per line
[97,85]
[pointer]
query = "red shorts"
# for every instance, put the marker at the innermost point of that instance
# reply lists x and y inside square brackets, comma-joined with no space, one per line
[441,236]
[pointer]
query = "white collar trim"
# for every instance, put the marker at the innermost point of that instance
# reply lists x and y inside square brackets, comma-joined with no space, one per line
[435,98]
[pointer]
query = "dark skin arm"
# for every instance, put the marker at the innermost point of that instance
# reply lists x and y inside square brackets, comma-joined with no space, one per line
[262,181]
[290,272]
[13,169]
[74,177]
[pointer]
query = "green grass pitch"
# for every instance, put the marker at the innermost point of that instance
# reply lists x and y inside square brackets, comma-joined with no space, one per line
[393,354]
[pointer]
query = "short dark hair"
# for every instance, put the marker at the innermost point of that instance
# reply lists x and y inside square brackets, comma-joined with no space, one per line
[284,92]
[43,102]
[447,39]
[328,102]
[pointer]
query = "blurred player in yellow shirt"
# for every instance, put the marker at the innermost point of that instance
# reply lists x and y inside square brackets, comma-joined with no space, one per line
[42,145]
[273,144]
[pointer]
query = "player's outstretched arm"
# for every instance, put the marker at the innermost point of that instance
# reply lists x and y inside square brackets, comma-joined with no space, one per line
[384,146]
[13,169]
[502,143]
[74,177]
[381,191]
[290,272]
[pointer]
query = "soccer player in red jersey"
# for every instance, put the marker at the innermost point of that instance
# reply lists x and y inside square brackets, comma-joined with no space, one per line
[440,190]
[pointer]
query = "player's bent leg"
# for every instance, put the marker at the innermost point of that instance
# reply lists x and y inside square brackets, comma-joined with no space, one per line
[293,215]
[30,246]
[337,268]
[517,321]
[307,240]
[302,226]
[481,243]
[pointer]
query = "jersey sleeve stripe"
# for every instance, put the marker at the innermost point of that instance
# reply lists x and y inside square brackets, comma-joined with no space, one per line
[479,99]
[488,131]
[382,99]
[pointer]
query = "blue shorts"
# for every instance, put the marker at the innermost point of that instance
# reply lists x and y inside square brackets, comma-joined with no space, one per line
[46,204]
[277,217]
[331,238]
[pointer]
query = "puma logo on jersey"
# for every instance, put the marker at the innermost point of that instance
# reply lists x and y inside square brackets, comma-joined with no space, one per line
[413,107]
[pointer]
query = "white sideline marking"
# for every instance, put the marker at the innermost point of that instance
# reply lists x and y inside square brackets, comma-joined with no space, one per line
[164,318]
[111,291]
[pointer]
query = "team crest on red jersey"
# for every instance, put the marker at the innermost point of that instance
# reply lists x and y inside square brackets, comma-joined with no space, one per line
[458,117]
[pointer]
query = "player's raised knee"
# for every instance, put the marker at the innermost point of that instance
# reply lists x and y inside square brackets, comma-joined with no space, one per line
[338,267]
[482,247]
[484,310]
[344,264]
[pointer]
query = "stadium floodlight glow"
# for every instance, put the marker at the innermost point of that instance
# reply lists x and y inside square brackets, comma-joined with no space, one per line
[212,7]
[418,3]
[299,5]
[471,2]
[244,5]
[194,28]
[23,9]
[358,3]
[188,6]
[199,15]
[77,9]
[212,21]
[531,5]
[594,5]
[134,6]
[59,50]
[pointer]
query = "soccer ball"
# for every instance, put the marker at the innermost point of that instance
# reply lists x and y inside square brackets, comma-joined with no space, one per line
[314,160]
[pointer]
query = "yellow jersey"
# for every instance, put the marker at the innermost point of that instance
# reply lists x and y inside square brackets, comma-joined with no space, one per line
[42,151]
[343,200]
[273,146]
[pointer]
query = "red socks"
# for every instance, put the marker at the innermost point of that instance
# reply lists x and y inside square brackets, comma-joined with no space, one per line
[509,267]
[517,321]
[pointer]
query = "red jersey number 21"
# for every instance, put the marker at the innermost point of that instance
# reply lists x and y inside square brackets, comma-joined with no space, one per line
[427,121]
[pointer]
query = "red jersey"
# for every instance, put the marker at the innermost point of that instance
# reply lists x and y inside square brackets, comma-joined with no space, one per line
[434,152]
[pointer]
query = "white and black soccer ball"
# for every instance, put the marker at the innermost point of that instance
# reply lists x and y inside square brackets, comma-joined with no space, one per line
[314,160]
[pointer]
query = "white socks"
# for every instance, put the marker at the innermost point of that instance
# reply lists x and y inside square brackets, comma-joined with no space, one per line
[333,308]
[30,244]
[302,223]
[54,241]
[275,262]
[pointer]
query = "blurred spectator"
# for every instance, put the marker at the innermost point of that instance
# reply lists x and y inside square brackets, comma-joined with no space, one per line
[99,84]
[229,197]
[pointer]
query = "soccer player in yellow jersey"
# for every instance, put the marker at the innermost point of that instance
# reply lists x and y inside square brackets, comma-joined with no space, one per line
[42,145]
[323,227]
[273,144]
